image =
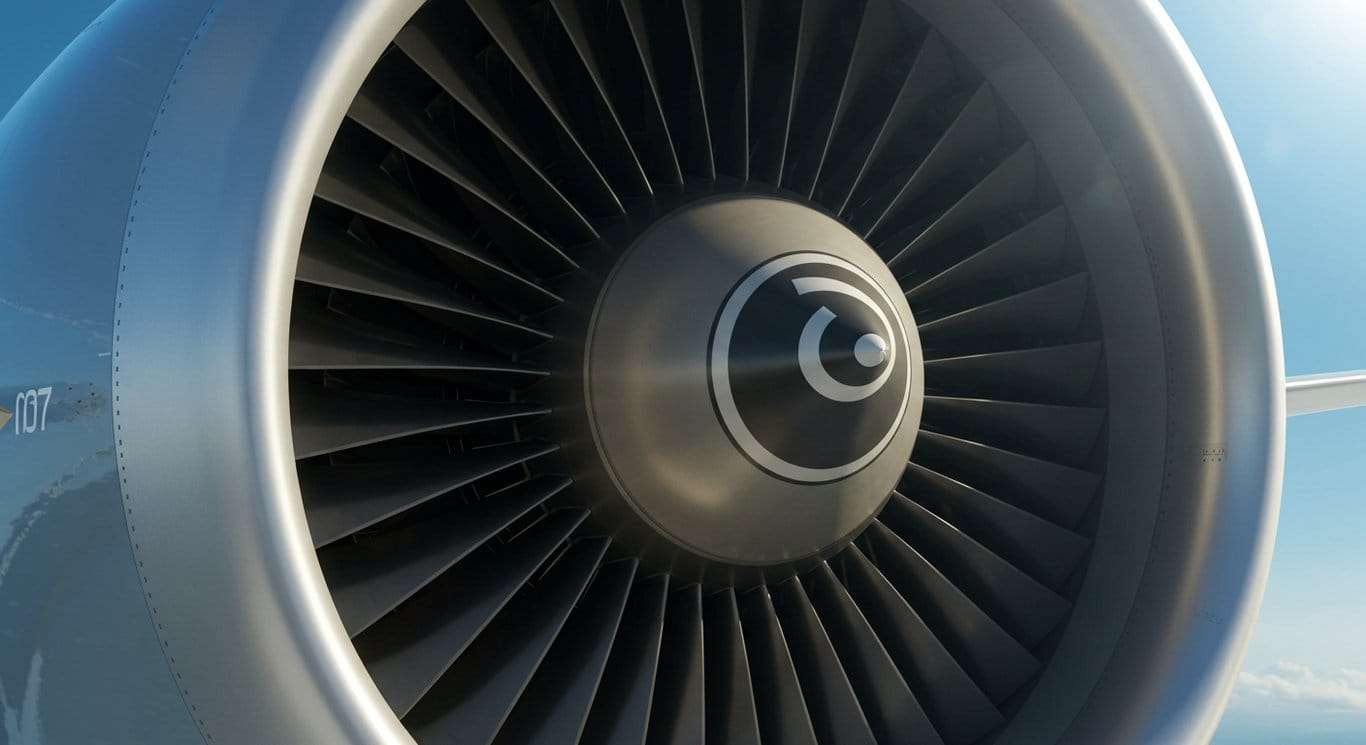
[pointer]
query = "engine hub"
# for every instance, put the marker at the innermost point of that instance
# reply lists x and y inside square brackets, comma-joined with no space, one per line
[753,385]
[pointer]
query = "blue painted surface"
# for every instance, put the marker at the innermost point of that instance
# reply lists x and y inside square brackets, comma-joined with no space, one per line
[79,660]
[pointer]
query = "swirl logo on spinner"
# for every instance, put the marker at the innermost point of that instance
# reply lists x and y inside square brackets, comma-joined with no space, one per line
[809,367]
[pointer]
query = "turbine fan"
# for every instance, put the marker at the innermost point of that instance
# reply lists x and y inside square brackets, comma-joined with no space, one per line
[649,371]
[501,149]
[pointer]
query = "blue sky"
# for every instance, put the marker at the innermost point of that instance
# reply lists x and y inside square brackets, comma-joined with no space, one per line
[1291,78]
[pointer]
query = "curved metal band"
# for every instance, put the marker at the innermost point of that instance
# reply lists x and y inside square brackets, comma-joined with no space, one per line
[201,372]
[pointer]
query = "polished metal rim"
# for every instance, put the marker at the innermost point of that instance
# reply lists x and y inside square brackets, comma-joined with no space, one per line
[1151,184]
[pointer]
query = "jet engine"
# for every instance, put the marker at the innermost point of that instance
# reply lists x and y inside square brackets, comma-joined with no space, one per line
[630,371]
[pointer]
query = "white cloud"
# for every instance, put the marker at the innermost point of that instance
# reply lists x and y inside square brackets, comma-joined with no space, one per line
[1339,690]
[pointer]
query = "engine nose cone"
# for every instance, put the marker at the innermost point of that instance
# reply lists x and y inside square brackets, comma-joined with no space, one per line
[785,354]
[870,350]
[753,380]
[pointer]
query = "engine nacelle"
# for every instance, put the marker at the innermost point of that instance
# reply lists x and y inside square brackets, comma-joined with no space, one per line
[570,371]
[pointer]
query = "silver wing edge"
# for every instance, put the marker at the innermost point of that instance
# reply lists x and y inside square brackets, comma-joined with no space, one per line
[1310,394]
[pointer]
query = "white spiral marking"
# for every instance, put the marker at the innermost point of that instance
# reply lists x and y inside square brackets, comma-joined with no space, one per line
[809,346]
[719,364]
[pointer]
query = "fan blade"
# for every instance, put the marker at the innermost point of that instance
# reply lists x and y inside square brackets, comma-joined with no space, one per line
[407,651]
[327,341]
[960,710]
[403,126]
[461,80]
[931,71]
[696,100]
[1016,601]
[473,699]
[1054,309]
[994,659]
[1011,187]
[783,716]
[344,499]
[716,31]
[602,33]
[773,28]
[1054,492]
[1065,434]
[892,710]
[579,26]
[330,259]
[1045,550]
[972,133]
[1063,373]
[1035,246]
[878,28]
[556,703]
[326,422]
[369,192]
[821,62]
[655,117]
[731,715]
[817,18]
[671,73]
[621,710]
[677,715]
[370,577]
[510,33]
[830,700]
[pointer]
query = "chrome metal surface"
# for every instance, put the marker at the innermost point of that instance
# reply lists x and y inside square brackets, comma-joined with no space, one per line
[201,347]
